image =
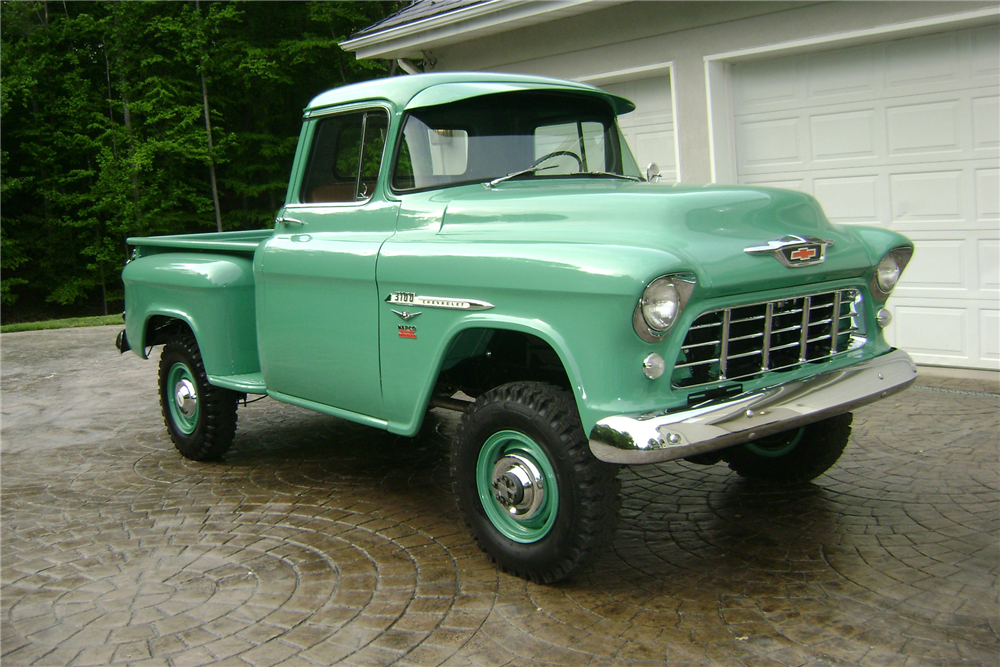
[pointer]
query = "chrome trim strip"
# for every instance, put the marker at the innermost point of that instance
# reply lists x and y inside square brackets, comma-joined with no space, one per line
[768,325]
[724,349]
[806,311]
[835,327]
[633,439]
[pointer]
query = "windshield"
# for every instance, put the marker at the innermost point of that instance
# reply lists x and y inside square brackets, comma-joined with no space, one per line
[525,134]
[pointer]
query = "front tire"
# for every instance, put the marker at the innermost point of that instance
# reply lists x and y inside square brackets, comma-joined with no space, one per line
[795,456]
[200,417]
[537,500]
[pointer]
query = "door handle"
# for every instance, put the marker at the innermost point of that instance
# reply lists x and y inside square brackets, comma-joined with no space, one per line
[289,221]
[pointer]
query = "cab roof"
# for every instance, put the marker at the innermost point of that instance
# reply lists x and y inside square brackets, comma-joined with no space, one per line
[422,90]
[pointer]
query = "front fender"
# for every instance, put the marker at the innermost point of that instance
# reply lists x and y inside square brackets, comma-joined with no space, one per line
[213,294]
[579,299]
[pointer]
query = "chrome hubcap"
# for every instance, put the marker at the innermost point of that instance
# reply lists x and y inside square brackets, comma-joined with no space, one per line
[518,486]
[185,397]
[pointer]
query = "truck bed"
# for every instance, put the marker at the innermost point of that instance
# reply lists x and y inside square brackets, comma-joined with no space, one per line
[246,241]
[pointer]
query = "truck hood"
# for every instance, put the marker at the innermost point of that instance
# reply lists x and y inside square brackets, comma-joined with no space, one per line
[704,229]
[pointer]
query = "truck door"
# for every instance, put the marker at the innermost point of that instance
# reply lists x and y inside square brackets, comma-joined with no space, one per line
[317,315]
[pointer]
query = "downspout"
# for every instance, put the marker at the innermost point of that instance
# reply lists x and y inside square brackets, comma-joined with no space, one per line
[407,66]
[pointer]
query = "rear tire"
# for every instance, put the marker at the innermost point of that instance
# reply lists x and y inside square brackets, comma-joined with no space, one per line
[794,456]
[200,417]
[537,500]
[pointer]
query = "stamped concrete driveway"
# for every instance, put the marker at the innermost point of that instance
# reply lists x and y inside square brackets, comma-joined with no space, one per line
[318,542]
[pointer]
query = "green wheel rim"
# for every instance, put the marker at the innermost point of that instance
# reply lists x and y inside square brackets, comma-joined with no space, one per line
[536,527]
[776,445]
[180,376]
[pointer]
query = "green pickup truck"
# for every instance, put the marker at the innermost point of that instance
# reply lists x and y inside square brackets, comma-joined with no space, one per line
[487,243]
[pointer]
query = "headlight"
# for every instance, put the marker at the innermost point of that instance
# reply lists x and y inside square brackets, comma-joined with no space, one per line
[888,271]
[660,305]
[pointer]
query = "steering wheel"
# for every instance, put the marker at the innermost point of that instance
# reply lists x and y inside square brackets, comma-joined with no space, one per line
[579,162]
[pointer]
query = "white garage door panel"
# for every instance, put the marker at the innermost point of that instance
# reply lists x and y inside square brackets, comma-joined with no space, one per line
[953,266]
[775,143]
[838,136]
[930,332]
[947,333]
[988,195]
[989,334]
[986,122]
[925,59]
[649,129]
[924,128]
[850,199]
[939,267]
[929,196]
[902,134]
[989,265]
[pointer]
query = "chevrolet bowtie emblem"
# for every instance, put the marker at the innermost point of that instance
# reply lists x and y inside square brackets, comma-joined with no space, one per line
[794,251]
[405,314]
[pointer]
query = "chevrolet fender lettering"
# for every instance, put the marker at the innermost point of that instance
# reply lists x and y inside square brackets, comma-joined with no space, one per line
[448,303]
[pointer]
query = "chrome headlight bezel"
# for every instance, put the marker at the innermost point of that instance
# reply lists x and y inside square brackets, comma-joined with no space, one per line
[888,272]
[661,305]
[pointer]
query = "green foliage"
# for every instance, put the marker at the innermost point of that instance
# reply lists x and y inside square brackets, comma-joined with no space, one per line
[103,133]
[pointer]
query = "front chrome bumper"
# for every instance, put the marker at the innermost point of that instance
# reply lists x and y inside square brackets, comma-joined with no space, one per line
[656,437]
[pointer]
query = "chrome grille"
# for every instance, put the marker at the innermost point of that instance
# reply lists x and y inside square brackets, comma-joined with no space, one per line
[745,341]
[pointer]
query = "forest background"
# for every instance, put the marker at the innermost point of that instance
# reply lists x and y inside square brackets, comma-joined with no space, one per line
[103,133]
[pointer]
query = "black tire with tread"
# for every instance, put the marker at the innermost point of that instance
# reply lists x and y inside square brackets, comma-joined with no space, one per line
[216,427]
[819,448]
[588,488]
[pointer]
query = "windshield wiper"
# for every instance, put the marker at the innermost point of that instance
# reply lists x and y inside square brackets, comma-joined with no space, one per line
[608,173]
[524,172]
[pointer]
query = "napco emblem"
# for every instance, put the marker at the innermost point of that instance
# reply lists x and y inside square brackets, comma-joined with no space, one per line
[407,331]
[794,251]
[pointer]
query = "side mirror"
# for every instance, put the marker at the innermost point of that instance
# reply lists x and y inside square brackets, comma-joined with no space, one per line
[653,173]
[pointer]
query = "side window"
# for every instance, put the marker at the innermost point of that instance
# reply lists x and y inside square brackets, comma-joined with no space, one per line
[345,158]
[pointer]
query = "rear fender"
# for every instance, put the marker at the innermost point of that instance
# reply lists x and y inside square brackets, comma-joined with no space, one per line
[212,294]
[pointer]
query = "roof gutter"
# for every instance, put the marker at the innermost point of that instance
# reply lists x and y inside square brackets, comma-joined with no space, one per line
[489,17]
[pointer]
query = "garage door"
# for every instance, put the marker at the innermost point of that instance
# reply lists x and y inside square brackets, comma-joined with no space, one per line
[649,129]
[903,134]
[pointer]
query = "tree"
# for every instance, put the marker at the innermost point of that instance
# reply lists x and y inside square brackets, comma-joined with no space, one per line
[117,116]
